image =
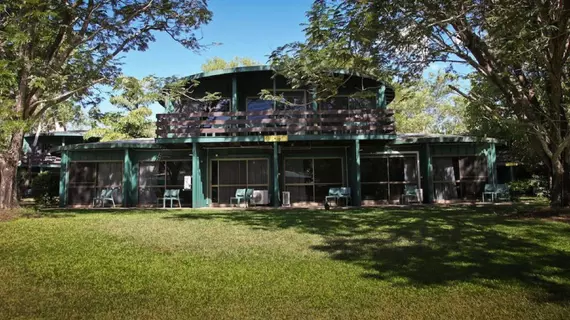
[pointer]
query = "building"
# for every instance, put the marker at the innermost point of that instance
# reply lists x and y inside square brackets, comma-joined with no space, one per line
[209,148]
[38,157]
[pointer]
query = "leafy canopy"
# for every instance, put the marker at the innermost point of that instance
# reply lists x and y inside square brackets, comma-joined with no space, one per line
[217,63]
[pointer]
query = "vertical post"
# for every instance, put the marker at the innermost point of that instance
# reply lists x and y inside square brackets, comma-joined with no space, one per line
[199,168]
[314,100]
[381,97]
[428,191]
[491,164]
[63,178]
[274,91]
[127,179]
[356,187]
[275,169]
[234,94]
[63,141]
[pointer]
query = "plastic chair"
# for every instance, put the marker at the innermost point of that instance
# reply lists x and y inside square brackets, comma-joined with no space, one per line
[105,195]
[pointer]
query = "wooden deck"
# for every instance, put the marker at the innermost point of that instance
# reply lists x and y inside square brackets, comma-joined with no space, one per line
[362,121]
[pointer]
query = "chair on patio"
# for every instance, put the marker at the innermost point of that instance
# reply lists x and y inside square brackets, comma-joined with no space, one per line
[502,192]
[489,190]
[411,193]
[244,195]
[172,195]
[106,194]
[337,194]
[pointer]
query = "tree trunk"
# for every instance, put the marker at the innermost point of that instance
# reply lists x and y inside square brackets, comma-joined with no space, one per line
[8,171]
[558,189]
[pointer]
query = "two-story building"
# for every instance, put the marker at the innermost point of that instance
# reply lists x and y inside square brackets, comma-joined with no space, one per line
[293,148]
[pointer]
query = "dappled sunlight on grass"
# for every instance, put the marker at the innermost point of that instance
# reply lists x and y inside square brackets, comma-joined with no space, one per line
[393,263]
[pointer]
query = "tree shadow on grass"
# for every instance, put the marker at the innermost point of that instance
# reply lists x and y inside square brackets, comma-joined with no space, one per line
[431,245]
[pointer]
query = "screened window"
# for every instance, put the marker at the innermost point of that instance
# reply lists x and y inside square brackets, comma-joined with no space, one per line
[459,177]
[87,179]
[346,102]
[157,176]
[229,175]
[383,178]
[310,179]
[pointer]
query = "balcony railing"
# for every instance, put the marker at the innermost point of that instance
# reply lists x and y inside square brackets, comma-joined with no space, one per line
[361,121]
[39,159]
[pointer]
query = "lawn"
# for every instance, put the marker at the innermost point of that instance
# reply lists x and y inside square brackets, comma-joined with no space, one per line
[390,263]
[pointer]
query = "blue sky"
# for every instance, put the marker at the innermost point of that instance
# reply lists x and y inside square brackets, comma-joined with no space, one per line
[245,28]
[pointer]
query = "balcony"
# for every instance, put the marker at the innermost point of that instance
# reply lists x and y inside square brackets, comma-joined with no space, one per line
[40,159]
[278,122]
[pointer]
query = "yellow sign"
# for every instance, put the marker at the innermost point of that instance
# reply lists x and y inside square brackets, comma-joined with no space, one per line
[276,138]
[511,164]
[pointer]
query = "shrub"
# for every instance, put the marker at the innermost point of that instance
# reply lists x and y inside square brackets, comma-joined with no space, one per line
[537,186]
[45,189]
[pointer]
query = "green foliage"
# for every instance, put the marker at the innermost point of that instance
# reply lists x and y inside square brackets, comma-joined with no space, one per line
[124,125]
[217,63]
[45,189]
[429,106]
[515,54]
[536,186]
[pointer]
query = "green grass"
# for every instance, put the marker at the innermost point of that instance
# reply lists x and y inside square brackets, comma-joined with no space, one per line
[391,263]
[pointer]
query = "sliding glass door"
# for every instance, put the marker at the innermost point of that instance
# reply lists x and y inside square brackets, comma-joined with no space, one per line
[383,178]
[226,176]
[309,179]
[157,176]
[87,179]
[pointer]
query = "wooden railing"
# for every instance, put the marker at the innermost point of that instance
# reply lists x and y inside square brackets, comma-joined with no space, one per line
[362,121]
[40,159]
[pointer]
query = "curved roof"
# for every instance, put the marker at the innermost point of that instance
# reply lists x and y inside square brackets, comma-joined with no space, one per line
[221,72]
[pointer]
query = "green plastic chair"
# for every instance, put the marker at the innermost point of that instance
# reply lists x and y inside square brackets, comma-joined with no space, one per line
[242,195]
[502,192]
[489,190]
[105,195]
[410,194]
[172,195]
[337,194]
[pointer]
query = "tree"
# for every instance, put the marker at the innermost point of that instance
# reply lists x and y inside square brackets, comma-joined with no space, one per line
[429,106]
[519,48]
[52,51]
[217,63]
[132,100]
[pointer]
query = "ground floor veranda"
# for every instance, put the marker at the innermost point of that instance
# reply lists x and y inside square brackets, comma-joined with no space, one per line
[299,173]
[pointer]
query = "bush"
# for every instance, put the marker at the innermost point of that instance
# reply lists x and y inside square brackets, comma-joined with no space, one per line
[536,186]
[45,189]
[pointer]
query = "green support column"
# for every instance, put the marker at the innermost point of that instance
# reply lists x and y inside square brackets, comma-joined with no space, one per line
[275,169]
[491,164]
[127,179]
[314,102]
[428,186]
[381,97]
[355,176]
[63,179]
[199,177]
[234,94]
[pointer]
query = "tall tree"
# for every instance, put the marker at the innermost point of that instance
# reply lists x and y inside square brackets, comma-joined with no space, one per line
[217,63]
[52,51]
[518,47]
[429,106]
[130,119]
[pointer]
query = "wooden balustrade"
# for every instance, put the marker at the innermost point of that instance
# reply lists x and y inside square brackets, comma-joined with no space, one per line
[362,121]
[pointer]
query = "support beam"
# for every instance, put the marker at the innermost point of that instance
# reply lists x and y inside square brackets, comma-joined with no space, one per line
[355,184]
[127,179]
[491,164]
[235,101]
[63,179]
[199,177]
[428,175]
[381,97]
[275,169]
